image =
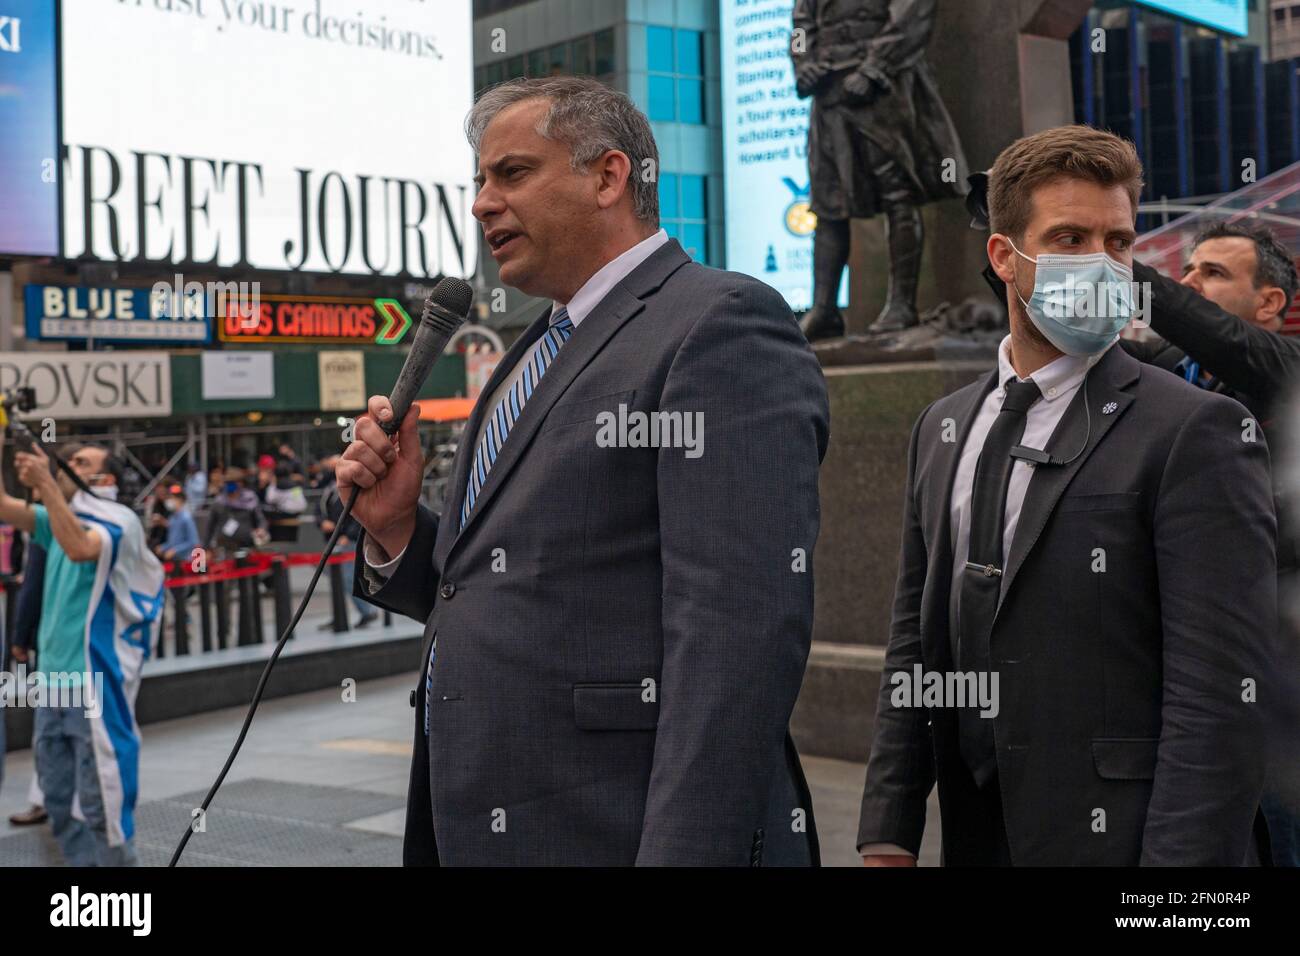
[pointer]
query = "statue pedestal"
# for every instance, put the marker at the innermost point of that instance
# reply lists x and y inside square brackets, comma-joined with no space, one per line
[876,393]
[1003,69]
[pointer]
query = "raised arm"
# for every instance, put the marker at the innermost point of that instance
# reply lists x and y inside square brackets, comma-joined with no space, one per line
[78,542]
[1249,359]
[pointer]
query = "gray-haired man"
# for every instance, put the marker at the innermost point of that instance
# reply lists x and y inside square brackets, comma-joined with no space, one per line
[622,572]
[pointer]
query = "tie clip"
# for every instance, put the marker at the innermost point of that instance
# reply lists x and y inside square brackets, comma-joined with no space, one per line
[985,569]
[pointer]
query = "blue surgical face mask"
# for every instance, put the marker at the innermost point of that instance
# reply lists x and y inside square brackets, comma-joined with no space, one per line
[1079,303]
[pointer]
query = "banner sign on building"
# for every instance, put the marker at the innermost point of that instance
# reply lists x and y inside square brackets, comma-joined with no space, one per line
[29,131]
[342,380]
[314,319]
[113,315]
[314,136]
[1226,15]
[764,142]
[80,385]
[238,375]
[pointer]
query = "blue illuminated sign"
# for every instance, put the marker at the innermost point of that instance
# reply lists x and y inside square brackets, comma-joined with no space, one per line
[1226,15]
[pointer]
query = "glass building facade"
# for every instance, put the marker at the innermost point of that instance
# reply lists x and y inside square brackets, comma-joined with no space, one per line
[1209,111]
[664,55]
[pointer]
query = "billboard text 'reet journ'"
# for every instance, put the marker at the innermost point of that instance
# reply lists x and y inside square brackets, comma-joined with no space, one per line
[165,162]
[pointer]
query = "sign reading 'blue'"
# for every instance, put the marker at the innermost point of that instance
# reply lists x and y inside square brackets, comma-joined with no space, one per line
[114,314]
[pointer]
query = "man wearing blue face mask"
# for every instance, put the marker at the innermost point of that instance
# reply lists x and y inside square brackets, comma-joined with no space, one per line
[1083,636]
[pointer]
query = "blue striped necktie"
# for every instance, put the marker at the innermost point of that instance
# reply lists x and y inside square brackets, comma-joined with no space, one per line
[497,427]
[495,431]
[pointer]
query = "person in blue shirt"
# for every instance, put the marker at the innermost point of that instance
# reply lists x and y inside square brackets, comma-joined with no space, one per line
[178,545]
[196,486]
[182,534]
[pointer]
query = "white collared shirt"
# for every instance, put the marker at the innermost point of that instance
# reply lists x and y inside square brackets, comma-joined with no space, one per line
[586,299]
[582,304]
[1058,380]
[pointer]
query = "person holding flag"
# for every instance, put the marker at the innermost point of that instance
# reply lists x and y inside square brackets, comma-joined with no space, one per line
[102,599]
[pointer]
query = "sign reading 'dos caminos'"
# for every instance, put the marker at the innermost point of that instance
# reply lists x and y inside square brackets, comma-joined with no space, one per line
[314,319]
[79,385]
[321,135]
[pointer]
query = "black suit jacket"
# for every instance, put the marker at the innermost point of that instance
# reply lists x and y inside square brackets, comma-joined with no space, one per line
[1121,690]
[622,631]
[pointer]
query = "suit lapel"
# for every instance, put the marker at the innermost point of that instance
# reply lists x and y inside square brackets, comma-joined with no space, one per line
[450,526]
[622,303]
[1104,390]
[946,457]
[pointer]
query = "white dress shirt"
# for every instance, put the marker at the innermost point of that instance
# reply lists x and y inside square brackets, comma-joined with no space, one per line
[582,304]
[1058,380]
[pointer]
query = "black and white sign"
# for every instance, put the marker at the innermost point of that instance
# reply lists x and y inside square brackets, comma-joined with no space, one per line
[78,385]
[238,375]
[323,135]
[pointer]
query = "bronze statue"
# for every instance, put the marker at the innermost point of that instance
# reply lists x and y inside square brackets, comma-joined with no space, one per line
[880,140]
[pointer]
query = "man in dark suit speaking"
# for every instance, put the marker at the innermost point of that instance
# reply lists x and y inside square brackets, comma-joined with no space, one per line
[619,593]
[1091,541]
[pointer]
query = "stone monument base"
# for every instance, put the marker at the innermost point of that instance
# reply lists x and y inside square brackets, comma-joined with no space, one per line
[877,389]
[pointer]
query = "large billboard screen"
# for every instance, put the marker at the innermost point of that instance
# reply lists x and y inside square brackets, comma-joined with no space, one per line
[29,131]
[1226,15]
[765,135]
[322,136]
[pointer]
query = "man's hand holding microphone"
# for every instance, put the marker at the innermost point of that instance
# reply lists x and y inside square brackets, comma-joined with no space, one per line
[386,474]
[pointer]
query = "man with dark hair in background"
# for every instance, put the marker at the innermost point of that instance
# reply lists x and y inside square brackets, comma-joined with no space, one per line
[27,620]
[1220,329]
[329,510]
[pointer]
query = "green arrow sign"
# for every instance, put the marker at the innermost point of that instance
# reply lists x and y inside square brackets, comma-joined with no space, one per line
[396,322]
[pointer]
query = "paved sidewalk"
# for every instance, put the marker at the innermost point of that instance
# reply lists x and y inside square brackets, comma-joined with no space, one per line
[322,782]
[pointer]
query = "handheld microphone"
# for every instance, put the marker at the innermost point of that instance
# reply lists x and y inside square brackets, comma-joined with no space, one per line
[444,310]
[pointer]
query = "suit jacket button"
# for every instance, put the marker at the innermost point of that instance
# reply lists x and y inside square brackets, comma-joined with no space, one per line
[448,590]
[412,698]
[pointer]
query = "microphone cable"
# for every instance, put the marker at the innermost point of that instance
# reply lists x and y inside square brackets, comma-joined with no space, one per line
[266,672]
[445,309]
